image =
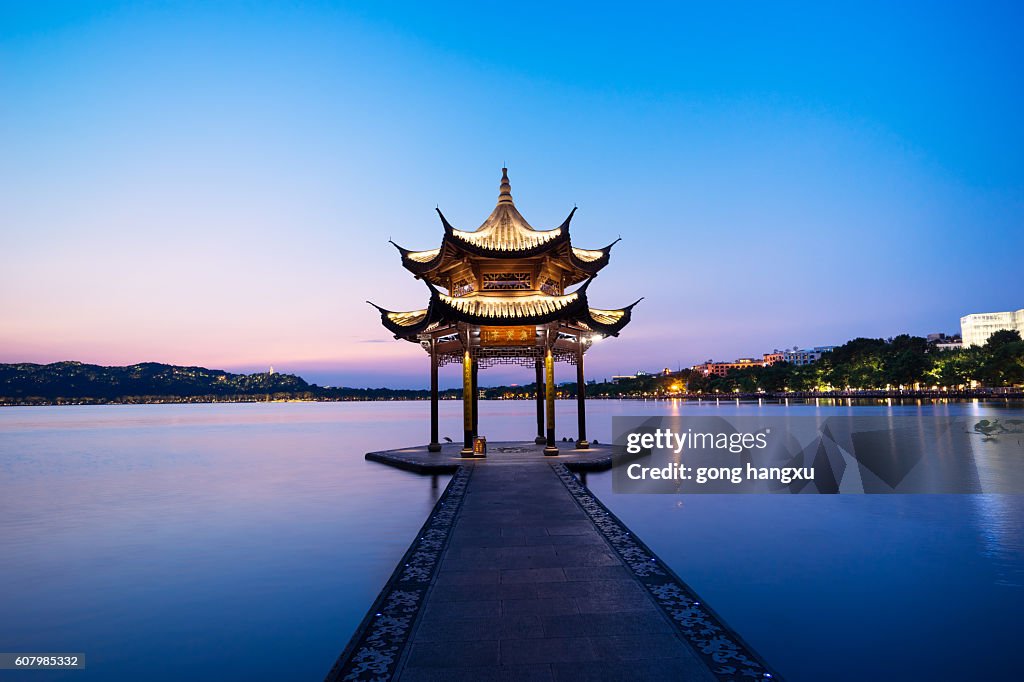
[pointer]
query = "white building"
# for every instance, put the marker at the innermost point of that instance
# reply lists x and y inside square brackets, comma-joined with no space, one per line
[977,327]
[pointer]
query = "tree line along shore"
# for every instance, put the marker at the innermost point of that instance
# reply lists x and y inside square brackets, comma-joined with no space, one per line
[903,366]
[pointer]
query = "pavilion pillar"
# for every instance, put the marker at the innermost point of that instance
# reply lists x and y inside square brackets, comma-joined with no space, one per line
[435,445]
[476,399]
[581,398]
[540,439]
[549,391]
[467,404]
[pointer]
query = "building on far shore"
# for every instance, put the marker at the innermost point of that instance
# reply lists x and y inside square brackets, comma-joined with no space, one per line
[977,327]
[800,357]
[805,356]
[723,368]
[943,342]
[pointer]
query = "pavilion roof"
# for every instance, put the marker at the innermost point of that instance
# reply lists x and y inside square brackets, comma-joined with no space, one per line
[484,309]
[506,234]
[506,230]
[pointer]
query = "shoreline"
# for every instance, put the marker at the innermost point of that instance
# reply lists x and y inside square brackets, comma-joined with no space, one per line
[1006,395]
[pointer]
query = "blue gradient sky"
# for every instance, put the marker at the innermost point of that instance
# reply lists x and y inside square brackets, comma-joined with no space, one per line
[215,183]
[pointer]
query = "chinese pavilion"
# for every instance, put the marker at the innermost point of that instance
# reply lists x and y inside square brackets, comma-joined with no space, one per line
[506,303]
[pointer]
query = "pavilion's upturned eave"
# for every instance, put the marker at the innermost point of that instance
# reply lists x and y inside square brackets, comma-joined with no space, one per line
[608,322]
[406,324]
[591,260]
[421,262]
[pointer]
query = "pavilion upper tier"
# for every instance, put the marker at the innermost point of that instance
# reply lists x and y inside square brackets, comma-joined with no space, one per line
[505,236]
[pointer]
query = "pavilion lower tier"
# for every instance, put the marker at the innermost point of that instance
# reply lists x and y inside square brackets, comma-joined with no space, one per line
[480,347]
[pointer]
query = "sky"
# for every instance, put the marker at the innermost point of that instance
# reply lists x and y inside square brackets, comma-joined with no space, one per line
[215,184]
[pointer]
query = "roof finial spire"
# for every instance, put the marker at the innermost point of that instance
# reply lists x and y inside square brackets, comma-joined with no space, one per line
[505,194]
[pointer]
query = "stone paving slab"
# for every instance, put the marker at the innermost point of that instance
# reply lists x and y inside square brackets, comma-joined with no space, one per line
[524,575]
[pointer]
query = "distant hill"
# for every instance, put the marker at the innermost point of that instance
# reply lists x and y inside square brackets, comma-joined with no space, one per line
[76,382]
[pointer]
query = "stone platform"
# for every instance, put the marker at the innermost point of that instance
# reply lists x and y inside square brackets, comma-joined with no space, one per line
[598,457]
[520,573]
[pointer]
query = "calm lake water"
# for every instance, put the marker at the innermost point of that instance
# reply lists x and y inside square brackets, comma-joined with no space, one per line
[237,542]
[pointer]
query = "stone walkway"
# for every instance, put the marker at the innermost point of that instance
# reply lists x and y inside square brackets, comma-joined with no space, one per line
[535,580]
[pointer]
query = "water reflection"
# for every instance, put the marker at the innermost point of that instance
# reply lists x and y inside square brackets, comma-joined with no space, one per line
[1002,533]
[247,541]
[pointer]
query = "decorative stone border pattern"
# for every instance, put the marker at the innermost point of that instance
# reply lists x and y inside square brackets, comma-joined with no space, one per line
[374,650]
[728,657]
